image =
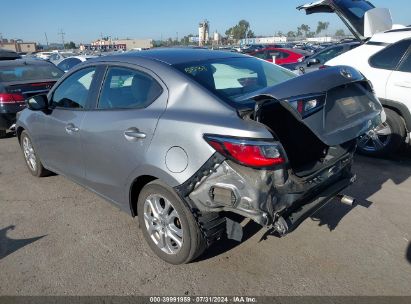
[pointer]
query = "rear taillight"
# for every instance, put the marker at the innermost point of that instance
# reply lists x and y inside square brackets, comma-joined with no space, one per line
[258,154]
[323,67]
[307,105]
[11,98]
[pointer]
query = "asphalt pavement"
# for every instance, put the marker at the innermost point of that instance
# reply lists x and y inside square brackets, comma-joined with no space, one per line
[57,238]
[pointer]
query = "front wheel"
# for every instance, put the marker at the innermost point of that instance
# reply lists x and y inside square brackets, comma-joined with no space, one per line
[33,162]
[168,225]
[386,139]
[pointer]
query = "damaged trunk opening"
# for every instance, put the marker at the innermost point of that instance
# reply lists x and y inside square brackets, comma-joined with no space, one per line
[306,152]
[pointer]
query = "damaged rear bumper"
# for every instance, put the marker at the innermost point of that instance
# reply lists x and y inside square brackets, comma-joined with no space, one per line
[274,197]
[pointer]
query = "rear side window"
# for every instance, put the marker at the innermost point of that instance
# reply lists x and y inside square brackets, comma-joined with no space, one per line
[73,92]
[406,64]
[68,63]
[128,89]
[390,57]
[260,55]
[329,54]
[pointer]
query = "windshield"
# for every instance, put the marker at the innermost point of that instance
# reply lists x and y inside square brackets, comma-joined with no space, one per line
[29,72]
[234,77]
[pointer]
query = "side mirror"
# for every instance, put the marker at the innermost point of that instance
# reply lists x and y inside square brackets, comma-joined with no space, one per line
[38,102]
[313,61]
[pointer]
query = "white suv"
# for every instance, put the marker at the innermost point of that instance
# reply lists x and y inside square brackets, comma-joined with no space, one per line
[385,59]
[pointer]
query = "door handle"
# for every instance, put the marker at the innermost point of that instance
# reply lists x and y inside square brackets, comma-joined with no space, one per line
[134,134]
[403,84]
[70,128]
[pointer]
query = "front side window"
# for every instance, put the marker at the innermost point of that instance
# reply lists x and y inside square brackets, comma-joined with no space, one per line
[390,57]
[260,55]
[232,78]
[73,92]
[326,55]
[128,89]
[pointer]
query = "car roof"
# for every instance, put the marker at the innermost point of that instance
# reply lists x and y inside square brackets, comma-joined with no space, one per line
[391,36]
[22,62]
[172,56]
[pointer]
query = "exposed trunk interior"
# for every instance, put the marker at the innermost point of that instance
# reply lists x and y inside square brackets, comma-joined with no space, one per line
[306,152]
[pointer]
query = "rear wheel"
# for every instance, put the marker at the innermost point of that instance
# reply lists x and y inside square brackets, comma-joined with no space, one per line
[33,162]
[386,139]
[3,133]
[168,225]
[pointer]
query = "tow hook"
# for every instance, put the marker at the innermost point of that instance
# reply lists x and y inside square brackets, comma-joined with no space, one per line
[280,226]
[346,200]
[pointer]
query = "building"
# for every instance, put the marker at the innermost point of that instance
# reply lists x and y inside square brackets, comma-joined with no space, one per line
[18,46]
[203,32]
[216,38]
[118,44]
[263,40]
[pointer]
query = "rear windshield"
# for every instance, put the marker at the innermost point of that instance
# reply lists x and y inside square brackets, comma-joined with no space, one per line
[231,78]
[355,11]
[29,72]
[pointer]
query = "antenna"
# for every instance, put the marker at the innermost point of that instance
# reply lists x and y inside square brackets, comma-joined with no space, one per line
[61,33]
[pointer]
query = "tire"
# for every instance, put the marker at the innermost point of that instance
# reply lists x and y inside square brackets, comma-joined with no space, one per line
[3,133]
[176,217]
[386,139]
[30,156]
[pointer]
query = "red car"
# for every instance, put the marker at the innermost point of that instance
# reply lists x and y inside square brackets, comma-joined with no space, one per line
[282,56]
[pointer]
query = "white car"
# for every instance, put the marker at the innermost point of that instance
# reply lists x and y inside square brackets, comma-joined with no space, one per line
[67,63]
[385,59]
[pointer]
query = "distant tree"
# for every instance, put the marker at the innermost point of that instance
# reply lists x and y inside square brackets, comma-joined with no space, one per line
[70,45]
[291,34]
[240,31]
[340,33]
[303,30]
[310,34]
[280,34]
[322,26]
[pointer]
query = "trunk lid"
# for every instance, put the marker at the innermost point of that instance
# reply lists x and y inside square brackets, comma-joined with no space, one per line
[360,16]
[28,89]
[347,106]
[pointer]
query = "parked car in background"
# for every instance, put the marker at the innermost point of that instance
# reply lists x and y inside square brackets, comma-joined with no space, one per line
[20,79]
[177,136]
[8,55]
[70,62]
[282,56]
[317,60]
[384,58]
[57,57]
[44,55]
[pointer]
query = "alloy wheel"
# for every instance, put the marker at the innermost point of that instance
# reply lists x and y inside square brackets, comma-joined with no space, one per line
[375,139]
[163,223]
[29,154]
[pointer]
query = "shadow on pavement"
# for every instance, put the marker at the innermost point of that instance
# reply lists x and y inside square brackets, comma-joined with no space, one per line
[8,246]
[372,174]
[408,253]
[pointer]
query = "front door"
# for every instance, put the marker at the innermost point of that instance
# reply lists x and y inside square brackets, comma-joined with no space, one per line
[62,147]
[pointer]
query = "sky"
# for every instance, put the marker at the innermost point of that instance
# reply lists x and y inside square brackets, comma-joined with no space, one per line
[83,20]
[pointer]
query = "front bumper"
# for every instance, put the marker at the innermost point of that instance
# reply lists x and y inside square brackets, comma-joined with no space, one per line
[265,196]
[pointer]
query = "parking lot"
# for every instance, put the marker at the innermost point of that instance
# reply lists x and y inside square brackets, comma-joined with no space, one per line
[57,238]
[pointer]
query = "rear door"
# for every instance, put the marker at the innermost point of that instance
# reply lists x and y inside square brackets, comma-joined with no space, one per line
[399,83]
[61,142]
[118,131]
[384,73]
